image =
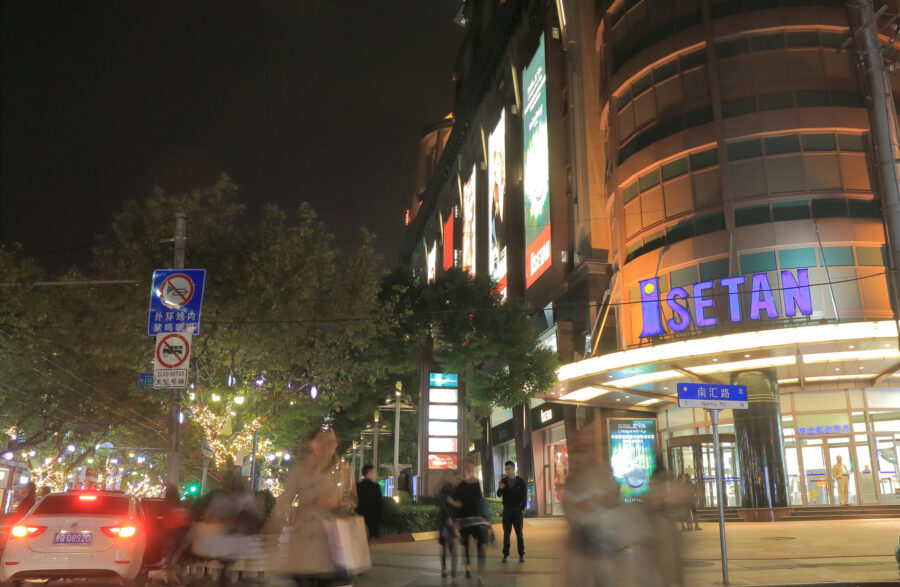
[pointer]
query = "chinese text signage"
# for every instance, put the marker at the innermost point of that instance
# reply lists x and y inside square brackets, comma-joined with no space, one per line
[632,445]
[176,297]
[711,396]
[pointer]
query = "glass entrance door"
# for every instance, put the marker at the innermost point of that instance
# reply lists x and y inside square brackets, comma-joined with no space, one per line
[888,475]
[814,471]
[840,447]
[730,474]
[865,472]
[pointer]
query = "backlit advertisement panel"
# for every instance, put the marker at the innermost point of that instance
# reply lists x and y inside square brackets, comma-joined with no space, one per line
[536,173]
[443,462]
[432,262]
[496,195]
[448,242]
[632,445]
[468,231]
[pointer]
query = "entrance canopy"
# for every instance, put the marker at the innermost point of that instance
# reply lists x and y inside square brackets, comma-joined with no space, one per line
[858,354]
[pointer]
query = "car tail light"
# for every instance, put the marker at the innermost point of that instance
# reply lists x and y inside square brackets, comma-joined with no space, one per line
[119,531]
[28,531]
[87,497]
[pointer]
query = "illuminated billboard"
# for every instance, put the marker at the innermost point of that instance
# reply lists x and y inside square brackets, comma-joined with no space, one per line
[432,262]
[536,174]
[443,462]
[469,225]
[496,195]
[632,445]
[448,242]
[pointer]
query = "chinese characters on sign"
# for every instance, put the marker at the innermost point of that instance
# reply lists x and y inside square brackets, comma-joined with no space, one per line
[176,297]
[711,396]
[816,430]
[632,455]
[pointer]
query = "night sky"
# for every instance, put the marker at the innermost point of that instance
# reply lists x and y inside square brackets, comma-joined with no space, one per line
[316,100]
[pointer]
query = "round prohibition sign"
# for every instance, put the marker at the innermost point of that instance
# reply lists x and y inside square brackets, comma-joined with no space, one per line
[172,351]
[176,291]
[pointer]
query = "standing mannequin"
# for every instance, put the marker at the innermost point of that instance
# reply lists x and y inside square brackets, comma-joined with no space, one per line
[842,478]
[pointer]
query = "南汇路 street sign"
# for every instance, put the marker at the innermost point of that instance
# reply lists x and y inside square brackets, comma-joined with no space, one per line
[176,297]
[171,360]
[712,396]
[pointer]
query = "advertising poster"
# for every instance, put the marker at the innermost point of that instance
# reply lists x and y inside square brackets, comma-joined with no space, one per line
[443,462]
[496,195]
[468,232]
[448,242]
[632,445]
[432,262]
[536,173]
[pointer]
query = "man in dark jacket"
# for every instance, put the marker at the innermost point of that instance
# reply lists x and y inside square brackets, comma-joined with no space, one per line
[368,495]
[514,493]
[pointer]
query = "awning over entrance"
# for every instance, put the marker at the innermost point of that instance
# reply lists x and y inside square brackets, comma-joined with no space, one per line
[862,354]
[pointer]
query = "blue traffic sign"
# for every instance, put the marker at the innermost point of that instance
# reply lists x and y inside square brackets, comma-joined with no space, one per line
[145,381]
[175,300]
[712,396]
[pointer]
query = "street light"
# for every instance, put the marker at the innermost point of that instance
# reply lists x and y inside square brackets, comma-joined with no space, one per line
[397,404]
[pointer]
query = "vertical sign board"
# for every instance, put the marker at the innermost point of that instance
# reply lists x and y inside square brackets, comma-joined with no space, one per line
[496,197]
[715,397]
[176,297]
[536,178]
[632,447]
[443,421]
[469,226]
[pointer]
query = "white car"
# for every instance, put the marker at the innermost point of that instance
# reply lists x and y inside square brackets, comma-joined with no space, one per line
[92,534]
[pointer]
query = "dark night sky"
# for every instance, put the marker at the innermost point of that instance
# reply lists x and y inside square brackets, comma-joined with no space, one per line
[317,100]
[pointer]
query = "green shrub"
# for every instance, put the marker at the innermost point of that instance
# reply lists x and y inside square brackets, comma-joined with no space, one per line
[402,519]
[493,509]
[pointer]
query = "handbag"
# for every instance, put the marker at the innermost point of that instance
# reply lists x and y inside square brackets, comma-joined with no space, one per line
[348,544]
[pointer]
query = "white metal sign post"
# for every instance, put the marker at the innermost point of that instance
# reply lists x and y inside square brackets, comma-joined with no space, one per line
[714,398]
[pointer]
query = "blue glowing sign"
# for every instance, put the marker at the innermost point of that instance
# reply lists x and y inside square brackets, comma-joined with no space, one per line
[815,430]
[712,396]
[443,380]
[700,306]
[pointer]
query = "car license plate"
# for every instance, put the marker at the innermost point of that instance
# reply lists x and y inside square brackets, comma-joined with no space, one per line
[72,538]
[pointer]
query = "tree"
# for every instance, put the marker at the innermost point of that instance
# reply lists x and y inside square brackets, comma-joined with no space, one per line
[491,342]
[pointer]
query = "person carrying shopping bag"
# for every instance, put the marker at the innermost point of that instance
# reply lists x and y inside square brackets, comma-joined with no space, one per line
[325,545]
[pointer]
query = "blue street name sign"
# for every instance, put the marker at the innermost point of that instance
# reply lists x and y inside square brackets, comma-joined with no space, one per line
[712,396]
[145,381]
[176,297]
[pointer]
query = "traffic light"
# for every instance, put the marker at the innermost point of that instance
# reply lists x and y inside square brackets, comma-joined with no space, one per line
[193,489]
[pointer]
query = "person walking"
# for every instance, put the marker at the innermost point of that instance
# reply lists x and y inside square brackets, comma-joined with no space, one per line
[448,528]
[472,526]
[842,478]
[368,498]
[514,492]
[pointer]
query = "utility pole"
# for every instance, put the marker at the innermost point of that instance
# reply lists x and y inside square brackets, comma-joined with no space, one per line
[375,444]
[397,403]
[884,131]
[172,455]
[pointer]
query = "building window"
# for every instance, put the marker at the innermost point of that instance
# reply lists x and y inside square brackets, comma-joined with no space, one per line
[797,258]
[758,262]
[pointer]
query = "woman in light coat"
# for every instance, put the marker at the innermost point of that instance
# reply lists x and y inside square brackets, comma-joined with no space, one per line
[317,490]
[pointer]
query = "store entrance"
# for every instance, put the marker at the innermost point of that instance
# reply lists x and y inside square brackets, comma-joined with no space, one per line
[695,455]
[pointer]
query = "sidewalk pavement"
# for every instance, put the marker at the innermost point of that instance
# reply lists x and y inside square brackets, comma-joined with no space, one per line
[779,553]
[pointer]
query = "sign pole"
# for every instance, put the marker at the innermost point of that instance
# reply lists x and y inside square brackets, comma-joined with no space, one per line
[172,455]
[720,488]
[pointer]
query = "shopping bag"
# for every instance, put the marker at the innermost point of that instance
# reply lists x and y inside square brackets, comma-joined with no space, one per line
[348,544]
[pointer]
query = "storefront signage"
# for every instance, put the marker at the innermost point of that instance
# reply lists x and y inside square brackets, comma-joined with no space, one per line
[546,415]
[817,430]
[443,462]
[632,445]
[685,307]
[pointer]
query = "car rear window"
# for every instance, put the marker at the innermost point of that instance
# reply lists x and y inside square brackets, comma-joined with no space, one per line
[101,505]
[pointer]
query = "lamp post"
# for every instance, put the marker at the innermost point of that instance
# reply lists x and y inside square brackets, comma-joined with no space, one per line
[397,405]
[376,431]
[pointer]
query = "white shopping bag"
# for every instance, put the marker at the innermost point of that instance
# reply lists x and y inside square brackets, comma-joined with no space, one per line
[348,544]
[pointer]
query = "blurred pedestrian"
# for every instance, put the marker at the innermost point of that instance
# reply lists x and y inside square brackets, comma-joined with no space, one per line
[368,497]
[176,528]
[472,525]
[448,528]
[26,499]
[664,501]
[601,529]
[314,494]
[514,492]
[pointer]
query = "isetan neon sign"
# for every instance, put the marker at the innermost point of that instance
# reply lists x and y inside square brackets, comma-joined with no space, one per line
[795,296]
